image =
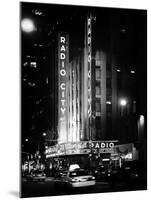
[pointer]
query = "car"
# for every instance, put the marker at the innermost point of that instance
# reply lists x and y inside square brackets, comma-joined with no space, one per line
[78,178]
[136,171]
[131,174]
[73,167]
[101,173]
[37,175]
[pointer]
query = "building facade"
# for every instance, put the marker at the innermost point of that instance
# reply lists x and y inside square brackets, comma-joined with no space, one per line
[101,100]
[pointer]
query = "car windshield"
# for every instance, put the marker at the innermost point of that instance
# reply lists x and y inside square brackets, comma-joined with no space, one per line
[37,172]
[78,173]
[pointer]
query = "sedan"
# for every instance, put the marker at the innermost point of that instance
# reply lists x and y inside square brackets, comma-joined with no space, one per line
[37,175]
[79,178]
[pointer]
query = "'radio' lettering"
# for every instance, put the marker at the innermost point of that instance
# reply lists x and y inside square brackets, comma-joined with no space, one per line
[63,48]
[62,72]
[63,39]
[62,56]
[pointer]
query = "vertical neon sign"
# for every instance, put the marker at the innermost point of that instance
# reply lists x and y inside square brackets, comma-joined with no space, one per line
[89,57]
[63,56]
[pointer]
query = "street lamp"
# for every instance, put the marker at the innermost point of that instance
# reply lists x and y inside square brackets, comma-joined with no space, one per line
[27,25]
[140,125]
[123,103]
[44,134]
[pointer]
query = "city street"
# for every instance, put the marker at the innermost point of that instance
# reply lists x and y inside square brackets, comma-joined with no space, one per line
[51,187]
[83,118]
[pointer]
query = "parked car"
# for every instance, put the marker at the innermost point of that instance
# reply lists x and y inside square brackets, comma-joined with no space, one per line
[37,175]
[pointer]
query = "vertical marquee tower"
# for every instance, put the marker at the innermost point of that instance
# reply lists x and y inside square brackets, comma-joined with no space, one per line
[63,64]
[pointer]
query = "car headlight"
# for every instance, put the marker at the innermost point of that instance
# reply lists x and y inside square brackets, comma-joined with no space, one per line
[93,178]
[73,180]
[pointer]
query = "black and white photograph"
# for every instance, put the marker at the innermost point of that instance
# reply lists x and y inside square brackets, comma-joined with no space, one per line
[83,77]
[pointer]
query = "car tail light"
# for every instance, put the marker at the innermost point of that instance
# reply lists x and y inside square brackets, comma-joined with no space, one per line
[91,178]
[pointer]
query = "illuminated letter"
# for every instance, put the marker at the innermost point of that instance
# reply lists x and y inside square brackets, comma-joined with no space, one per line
[111,145]
[62,48]
[63,102]
[62,94]
[63,39]
[62,56]
[63,86]
[89,74]
[63,110]
[89,112]
[62,72]
[89,48]
[89,100]
[97,145]
[62,64]
[89,58]
[89,31]
[102,145]
[89,21]
[91,145]
[89,40]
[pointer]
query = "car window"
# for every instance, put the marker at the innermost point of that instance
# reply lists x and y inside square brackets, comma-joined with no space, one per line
[37,172]
[78,173]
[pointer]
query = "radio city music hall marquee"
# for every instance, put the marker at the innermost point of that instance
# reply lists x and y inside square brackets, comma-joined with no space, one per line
[63,56]
[83,147]
[89,63]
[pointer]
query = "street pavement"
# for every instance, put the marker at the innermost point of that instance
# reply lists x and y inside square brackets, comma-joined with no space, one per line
[50,188]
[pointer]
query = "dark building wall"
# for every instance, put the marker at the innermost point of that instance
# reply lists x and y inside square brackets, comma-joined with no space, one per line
[114,48]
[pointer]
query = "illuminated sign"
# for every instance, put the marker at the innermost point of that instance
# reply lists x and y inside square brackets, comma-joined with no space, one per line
[83,147]
[125,151]
[63,56]
[62,73]
[89,63]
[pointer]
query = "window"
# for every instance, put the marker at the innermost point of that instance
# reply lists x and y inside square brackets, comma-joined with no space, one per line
[108,98]
[134,106]
[78,173]
[108,108]
[109,92]
[108,83]
[97,88]
[98,105]
[97,62]
[108,71]
[108,67]
[109,127]
[98,123]
[98,73]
